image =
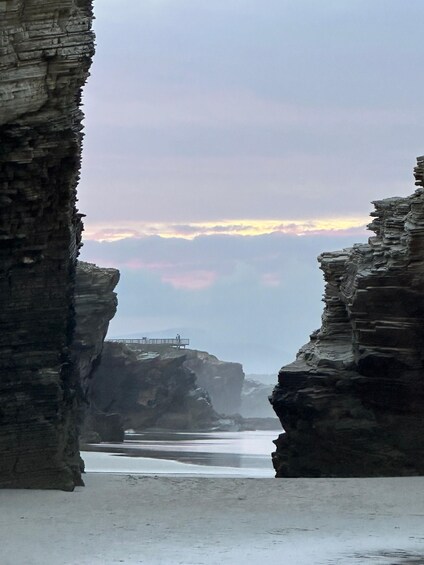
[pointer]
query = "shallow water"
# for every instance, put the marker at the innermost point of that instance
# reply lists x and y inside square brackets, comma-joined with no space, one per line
[244,454]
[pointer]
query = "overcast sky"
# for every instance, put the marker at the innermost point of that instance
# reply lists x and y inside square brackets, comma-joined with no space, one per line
[223,122]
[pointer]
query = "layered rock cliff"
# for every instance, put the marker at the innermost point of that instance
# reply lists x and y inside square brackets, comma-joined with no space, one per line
[223,380]
[46,50]
[132,388]
[352,403]
[95,306]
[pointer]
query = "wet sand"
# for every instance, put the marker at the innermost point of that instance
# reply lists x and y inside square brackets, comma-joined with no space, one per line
[212,521]
[225,454]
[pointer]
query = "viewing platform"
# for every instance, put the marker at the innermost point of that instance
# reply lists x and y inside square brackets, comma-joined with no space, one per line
[179,342]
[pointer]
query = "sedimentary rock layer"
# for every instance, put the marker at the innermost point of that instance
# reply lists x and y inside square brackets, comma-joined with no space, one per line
[45,53]
[352,403]
[132,388]
[222,379]
[95,306]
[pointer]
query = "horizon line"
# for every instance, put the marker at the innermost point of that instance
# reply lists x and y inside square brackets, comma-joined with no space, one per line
[104,232]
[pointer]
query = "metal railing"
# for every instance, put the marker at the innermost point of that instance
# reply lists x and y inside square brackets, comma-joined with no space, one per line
[175,342]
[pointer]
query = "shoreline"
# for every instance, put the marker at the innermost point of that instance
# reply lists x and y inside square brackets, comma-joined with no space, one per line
[170,520]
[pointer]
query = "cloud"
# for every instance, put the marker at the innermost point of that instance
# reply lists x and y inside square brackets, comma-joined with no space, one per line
[191,280]
[190,119]
[191,106]
[248,299]
[228,143]
[271,279]
[330,226]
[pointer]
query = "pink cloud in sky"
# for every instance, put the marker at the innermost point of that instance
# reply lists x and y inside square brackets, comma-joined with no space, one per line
[192,280]
[240,227]
[155,266]
[271,280]
[179,275]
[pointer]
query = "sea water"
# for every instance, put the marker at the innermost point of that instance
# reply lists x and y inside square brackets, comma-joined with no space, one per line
[217,454]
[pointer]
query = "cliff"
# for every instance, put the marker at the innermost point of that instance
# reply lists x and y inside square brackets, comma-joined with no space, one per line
[95,306]
[132,388]
[46,51]
[223,380]
[352,403]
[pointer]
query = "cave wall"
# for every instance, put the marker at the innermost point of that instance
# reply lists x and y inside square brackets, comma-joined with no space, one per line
[352,404]
[46,51]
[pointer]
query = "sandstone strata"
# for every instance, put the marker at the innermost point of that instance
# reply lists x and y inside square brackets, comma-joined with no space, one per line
[136,389]
[223,380]
[352,403]
[45,54]
[95,306]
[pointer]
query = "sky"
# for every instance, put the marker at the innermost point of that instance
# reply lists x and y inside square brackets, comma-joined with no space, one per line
[228,143]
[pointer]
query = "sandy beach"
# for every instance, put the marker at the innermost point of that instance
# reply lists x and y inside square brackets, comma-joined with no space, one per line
[203,521]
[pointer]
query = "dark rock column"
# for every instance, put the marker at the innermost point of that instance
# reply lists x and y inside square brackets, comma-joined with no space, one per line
[46,51]
[352,404]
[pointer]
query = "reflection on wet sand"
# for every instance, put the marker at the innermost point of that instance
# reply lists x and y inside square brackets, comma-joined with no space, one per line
[239,450]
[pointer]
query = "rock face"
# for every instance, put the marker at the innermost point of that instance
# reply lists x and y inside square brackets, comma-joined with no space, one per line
[46,51]
[132,388]
[352,403]
[95,306]
[223,380]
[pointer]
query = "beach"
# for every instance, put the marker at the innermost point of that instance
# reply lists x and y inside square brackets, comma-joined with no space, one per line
[170,520]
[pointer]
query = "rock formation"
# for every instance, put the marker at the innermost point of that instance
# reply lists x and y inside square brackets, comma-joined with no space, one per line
[223,380]
[46,51]
[95,306]
[132,388]
[352,403]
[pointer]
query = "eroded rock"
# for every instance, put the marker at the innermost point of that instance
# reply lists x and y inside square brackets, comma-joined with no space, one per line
[146,389]
[352,403]
[95,306]
[46,51]
[223,380]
